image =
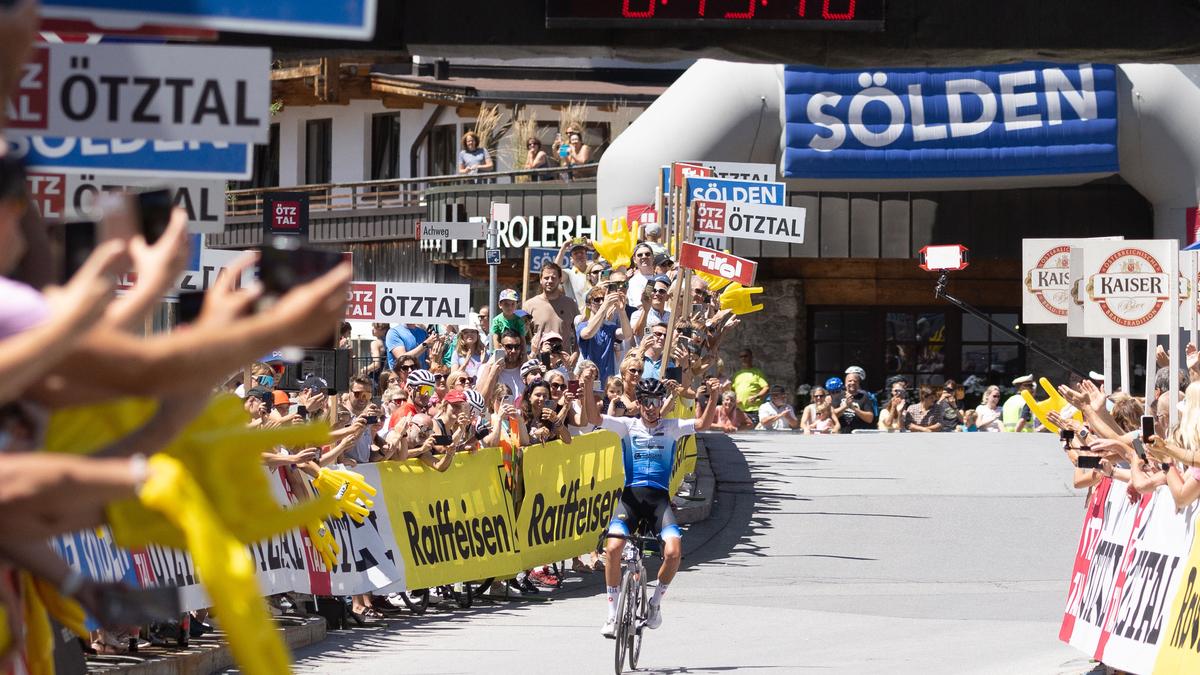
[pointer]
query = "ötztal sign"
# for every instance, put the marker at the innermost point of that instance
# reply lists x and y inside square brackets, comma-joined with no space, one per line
[750,221]
[170,92]
[1129,288]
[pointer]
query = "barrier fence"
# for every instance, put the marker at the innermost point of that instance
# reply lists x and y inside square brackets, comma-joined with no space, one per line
[1133,600]
[426,528]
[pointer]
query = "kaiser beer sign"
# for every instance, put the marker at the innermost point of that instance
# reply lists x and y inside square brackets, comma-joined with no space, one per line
[724,265]
[1046,278]
[1129,288]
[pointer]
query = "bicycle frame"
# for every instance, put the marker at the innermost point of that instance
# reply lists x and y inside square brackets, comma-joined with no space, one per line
[632,607]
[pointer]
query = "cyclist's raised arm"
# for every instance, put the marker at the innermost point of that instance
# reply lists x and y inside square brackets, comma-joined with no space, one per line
[710,409]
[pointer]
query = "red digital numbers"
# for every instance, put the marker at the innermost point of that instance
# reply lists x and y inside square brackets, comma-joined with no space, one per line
[831,10]
[630,14]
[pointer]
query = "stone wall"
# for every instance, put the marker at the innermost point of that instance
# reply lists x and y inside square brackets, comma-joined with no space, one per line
[776,334]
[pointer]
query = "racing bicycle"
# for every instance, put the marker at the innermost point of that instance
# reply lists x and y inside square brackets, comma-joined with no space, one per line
[632,606]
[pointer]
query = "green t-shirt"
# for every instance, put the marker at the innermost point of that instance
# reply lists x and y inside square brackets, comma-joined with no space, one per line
[746,383]
[502,323]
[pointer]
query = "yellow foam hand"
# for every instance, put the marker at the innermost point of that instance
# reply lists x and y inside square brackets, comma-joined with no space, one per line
[223,456]
[348,489]
[223,564]
[64,610]
[324,543]
[737,298]
[82,430]
[1053,402]
[39,638]
[715,283]
[617,247]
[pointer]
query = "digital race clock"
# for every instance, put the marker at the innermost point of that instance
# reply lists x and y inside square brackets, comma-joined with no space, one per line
[795,14]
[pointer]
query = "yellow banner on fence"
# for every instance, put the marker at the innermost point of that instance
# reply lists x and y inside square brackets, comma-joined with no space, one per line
[570,493]
[1179,647]
[463,525]
[685,461]
[451,526]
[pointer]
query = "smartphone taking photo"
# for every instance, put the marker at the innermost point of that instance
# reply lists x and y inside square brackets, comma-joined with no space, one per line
[1147,427]
[1088,462]
[154,212]
[285,263]
[79,240]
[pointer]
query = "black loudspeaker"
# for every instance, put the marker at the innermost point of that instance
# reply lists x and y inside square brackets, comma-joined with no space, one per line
[333,365]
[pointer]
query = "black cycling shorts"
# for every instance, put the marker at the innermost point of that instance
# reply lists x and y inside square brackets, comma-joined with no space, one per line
[645,503]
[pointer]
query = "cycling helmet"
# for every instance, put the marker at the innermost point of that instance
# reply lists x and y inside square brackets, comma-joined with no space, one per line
[475,400]
[420,377]
[831,385]
[650,388]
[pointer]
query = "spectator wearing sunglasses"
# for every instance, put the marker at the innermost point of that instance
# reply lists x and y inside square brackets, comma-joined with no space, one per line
[511,356]
[653,309]
[643,263]
[602,330]
[536,158]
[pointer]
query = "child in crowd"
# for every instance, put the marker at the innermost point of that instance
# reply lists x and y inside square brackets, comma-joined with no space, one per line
[508,318]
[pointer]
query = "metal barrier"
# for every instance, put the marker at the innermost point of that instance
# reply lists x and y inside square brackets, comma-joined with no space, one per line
[395,192]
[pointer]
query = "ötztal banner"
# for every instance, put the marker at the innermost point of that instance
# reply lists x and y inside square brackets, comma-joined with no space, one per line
[398,302]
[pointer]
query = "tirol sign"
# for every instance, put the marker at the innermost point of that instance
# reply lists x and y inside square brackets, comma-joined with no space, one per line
[1009,120]
[171,92]
[724,265]
[1126,288]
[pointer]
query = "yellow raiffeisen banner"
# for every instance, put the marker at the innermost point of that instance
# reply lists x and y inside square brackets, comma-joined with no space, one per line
[1179,648]
[685,461]
[462,525]
[570,493]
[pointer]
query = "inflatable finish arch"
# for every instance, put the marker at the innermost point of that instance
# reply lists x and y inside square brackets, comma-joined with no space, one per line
[724,111]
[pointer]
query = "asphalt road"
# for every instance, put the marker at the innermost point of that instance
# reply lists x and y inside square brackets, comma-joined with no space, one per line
[852,554]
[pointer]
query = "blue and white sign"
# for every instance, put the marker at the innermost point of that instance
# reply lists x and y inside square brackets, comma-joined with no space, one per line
[1011,120]
[746,191]
[538,257]
[348,19]
[168,159]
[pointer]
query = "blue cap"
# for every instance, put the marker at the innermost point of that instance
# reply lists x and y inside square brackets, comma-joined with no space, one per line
[834,384]
[660,278]
[521,313]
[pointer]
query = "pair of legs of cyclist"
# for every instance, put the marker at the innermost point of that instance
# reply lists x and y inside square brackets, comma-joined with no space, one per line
[654,506]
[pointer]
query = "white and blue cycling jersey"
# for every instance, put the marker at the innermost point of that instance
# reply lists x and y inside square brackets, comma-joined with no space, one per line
[649,453]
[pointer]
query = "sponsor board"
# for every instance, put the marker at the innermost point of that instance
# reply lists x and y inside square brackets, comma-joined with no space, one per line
[285,213]
[1124,288]
[170,92]
[538,257]
[74,197]
[1008,120]
[724,265]
[396,302]
[347,19]
[116,157]
[1046,278]
[743,191]
[749,221]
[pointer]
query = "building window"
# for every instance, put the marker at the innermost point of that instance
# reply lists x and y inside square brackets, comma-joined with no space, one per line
[385,146]
[441,157]
[988,353]
[924,345]
[265,171]
[318,151]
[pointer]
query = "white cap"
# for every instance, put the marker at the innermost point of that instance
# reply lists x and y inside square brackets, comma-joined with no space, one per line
[1024,379]
[1093,375]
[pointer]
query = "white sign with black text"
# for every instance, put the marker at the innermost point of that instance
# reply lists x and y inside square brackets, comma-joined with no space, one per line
[399,302]
[1126,288]
[750,221]
[74,197]
[144,91]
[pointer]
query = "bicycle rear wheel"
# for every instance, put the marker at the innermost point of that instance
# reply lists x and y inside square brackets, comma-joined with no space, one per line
[417,600]
[638,601]
[624,621]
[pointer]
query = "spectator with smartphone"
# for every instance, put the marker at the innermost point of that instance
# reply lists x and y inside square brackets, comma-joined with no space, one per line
[653,309]
[553,355]
[775,414]
[857,408]
[604,326]
[643,272]
[543,419]
[927,414]
[408,339]
[575,278]
[552,311]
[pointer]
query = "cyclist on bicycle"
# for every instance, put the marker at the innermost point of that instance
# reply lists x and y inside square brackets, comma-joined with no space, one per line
[649,442]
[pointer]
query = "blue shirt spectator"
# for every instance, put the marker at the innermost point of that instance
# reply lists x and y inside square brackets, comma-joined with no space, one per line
[599,348]
[407,336]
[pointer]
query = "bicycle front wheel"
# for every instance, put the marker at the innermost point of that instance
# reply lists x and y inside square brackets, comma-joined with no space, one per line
[637,597]
[625,625]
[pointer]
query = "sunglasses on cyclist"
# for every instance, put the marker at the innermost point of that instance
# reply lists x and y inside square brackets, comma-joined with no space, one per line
[653,403]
